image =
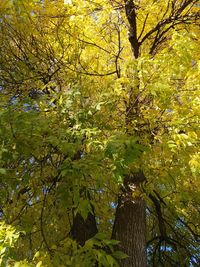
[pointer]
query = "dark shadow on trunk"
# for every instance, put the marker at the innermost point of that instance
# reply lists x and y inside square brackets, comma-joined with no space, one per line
[83,229]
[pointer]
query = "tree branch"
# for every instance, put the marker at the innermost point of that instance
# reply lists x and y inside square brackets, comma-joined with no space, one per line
[174,19]
[130,9]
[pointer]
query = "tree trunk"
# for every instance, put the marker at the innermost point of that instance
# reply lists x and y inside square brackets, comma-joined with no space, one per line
[83,229]
[130,223]
[130,218]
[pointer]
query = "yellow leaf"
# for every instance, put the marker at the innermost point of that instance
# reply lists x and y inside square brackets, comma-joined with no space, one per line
[39,264]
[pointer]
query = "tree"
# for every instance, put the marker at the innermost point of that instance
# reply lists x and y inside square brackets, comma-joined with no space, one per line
[99,132]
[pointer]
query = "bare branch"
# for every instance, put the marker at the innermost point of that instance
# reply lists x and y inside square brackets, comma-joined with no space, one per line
[173,19]
[42,224]
[143,27]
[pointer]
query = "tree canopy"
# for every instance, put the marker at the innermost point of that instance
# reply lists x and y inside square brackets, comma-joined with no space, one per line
[99,133]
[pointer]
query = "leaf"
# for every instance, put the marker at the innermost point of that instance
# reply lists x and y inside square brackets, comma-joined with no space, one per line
[119,255]
[39,264]
[2,171]
[100,236]
[84,207]
[110,260]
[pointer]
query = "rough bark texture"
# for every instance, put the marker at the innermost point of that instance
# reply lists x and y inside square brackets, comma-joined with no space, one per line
[130,223]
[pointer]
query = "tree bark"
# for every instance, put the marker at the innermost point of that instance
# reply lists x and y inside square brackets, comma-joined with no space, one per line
[130,223]
[83,229]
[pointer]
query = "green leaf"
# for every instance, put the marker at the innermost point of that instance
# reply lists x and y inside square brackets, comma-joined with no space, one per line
[110,260]
[119,255]
[2,171]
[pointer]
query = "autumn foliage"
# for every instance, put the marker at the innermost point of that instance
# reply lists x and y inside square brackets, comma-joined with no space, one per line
[99,133]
